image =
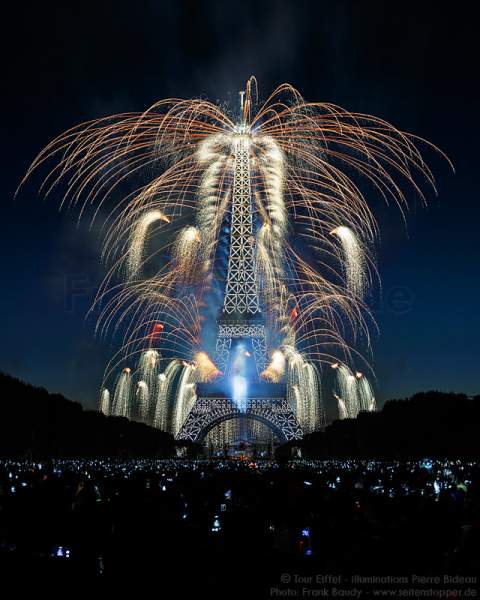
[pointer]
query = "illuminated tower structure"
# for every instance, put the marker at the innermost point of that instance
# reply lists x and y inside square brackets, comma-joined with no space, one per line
[241,335]
[241,317]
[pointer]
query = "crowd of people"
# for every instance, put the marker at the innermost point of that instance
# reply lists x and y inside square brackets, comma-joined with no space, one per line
[217,523]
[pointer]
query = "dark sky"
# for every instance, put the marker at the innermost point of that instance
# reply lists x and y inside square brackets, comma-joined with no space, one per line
[414,64]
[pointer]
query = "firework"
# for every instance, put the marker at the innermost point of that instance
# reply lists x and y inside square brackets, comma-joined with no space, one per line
[186,252]
[304,161]
[205,367]
[138,237]
[121,398]
[346,392]
[185,398]
[365,393]
[162,416]
[105,402]
[354,260]
[276,369]
[304,391]
[342,409]
[142,400]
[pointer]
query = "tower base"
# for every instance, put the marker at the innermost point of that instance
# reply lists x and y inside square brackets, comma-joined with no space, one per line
[208,412]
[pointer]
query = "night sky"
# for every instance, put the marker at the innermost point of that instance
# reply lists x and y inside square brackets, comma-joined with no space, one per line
[413,64]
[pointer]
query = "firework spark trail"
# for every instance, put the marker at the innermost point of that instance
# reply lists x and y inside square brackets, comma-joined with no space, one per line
[105,402]
[163,416]
[270,161]
[182,323]
[148,373]
[142,400]
[186,253]
[342,409]
[346,391]
[315,418]
[365,393]
[185,398]
[121,397]
[160,417]
[354,260]
[213,155]
[304,391]
[139,236]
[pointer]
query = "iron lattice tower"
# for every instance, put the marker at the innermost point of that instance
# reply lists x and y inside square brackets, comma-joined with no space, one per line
[241,318]
[241,290]
[241,308]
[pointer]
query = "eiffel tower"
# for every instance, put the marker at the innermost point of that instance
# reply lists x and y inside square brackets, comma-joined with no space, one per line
[241,325]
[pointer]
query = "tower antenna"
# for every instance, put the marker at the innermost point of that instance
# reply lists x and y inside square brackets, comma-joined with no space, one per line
[242,100]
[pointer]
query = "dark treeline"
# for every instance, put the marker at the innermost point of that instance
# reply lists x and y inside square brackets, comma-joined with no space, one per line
[432,424]
[37,424]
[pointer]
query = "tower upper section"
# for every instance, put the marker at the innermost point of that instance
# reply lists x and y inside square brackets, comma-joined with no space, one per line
[241,295]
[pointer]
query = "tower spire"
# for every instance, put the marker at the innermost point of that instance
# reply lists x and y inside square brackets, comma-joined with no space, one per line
[242,101]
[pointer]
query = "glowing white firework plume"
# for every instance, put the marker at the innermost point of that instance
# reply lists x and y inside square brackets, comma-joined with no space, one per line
[186,396]
[143,400]
[346,392]
[138,237]
[148,373]
[213,156]
[162,417]
[148,365]
[186,252]
[273,211]
[365,393]
[105,402]
[342,409]
[354,260]
[121,397]
[304,391]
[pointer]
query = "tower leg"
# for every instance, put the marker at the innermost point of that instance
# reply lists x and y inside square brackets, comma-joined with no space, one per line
[259,345]
[222,352]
